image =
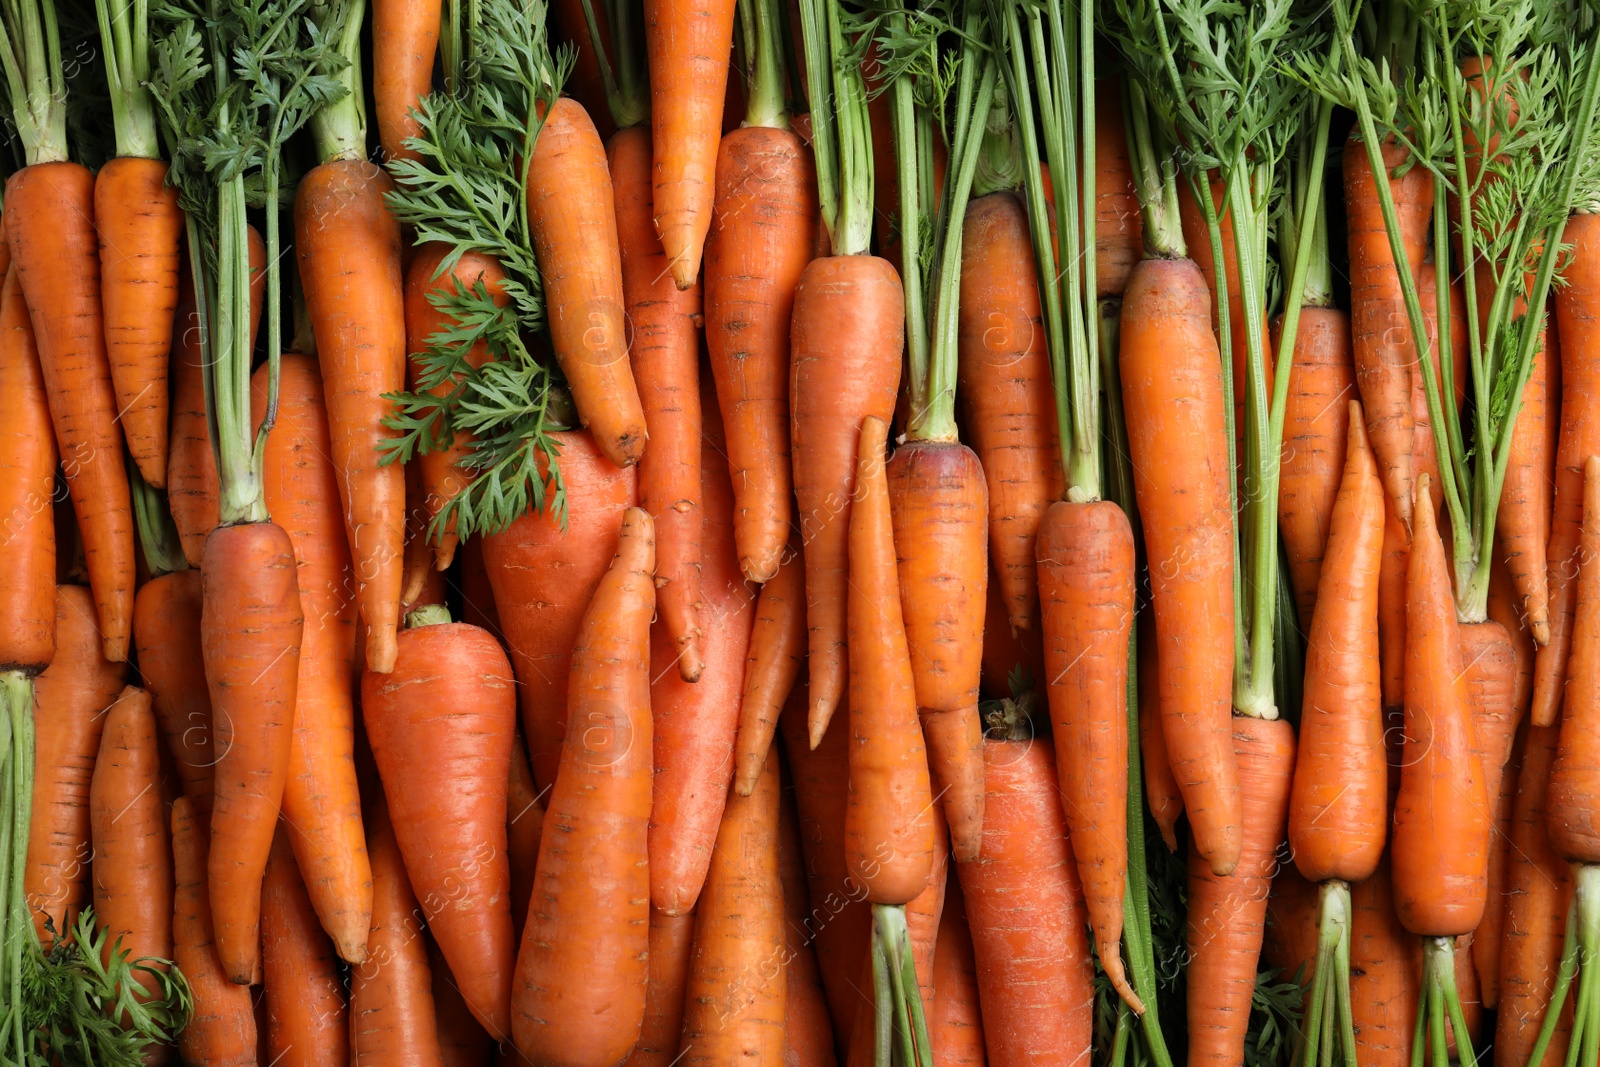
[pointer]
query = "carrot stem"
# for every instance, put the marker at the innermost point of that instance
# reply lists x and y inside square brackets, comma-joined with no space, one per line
[125,42]
[1558,994]
[1136,906]
[340,126]
[16,794]
[765,104]
[1154,179]
[840,129]
[158,535]
[35,78]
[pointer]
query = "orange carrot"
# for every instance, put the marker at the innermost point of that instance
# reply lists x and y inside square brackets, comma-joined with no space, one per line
[1161,791]
[671,946]
[524,829]
[463,1042]
[307,1019]
[1292,931]
[27,487]
[808,1030]
[1505,608]
[405,36]
[777,652]
[222,1030]
[166,635]
[1522,525]
[955,1023]
[1488,938]
[1119,230]
[1570,815]
[1384,993]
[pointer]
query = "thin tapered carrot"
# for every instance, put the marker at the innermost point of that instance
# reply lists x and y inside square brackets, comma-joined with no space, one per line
[320,796]
[777,653]
[50,227]
[1573,823]
[1119,229]
[849,326]
[27,487]
[956,1021]
[524,829]
[1522,525]
[463,1042]
[1392,609]
[140,229]
[1225,914]
[671,947]
[1488,939]
[307,1018]
[1004,386]
[574,226]
[665,353]
[1322,381]
[1505,608]
[543,576]
[807,1026]
[579,991]
[763,221]
[1384,991]
[441,727]
[69,699]
[1172,397]
[166,635]
[405,36]
[222,1029]
[1161,792]
[695,725]
[689,45]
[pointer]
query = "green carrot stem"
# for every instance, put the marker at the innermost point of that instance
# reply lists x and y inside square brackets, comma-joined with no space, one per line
[1154,180]
[30,53]
[125,45]
[158,536]
[340,126]
[766,104]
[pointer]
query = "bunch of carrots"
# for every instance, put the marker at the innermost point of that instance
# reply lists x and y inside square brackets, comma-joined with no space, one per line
[724,531]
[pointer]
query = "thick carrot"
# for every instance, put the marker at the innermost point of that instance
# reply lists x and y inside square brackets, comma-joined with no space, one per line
[888,827]
[166,635]
[1225,914]
[849,327]
[665,352]
[320,797]
[574,226]
[955,1023]
[689,45]
[1004,386]
[51,229]
[1384,992]
[1522,525]
[763,220]
[1338,808]
[1161,791]
[1027,917]
[349,254]
[734,1000]
[1490,663]
[777,652]
[140,227]
[695,725]
[1321,383]
[307,1019]
[524,829]
[405,36]
[543,577]
[441,727]
[391,993]
[69,698]
[27,487]
[1172,397]
[1118,229]
[463,1042]
[1086,590]
[1384,352]
[579,992]
[808,1030]
[222,1030]
[250,633]
[672,943]
[132,860]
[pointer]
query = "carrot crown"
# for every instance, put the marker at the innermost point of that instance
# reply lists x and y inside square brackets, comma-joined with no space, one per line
[339,126]
[764,25]
[125,42]
[30,51]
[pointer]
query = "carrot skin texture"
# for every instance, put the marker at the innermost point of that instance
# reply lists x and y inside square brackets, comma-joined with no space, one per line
[1338,808]
[140,229]
[27,489]
[55,253]
[1161,792]
[574,224]
[524,830]
[1522,525]
[250,632]
[543,577]
[1573,826]
[955,1021]
[69,698]
[848,326]
[1118,227]
[222,1030]
[582,972]
[1490,665]
[671,946]
[1172,394]
[764,215]
[192,487]
[689,46]
[807,1025]
[463,1042]
[1290,936]
[777,653]
[1004,385]
[1489,938]
[1027,917]
[1384,973]
[665,354]
[405,36]
[1086,590]
[166,636]
[307,1018]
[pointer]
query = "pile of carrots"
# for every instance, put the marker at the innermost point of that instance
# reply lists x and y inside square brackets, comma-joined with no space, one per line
[800,532]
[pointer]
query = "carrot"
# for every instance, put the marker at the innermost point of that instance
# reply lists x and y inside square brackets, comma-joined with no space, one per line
[1008,656]
[665,353]
[1172,396]
[524,828]
[1160,788]
[1384,355]
[1225,914]
[956,1023]
[1086,587]
[567,19]
[51,230]
[694,726]
[777,652]
[222,1029]
[1424,450]
[477,595]
[1004,385]
[808,1030]
[132,860]
[1574,830]
[579,991]
[689,45]
[391,992]
[1384,994]
[69,697]
[320,796]
[1488,938]
[1026,914]
[307,1018]
[405,35]
[1505,608]
[1119,230]
[1292,932]
[849,327]
[543,577]
[671,948]
[27,487]
[166,636]
[574,227]
[763,220]
[1321,383]
[463,1042]
[734,999]
[441,727]
[1522,525]
[1490,665]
